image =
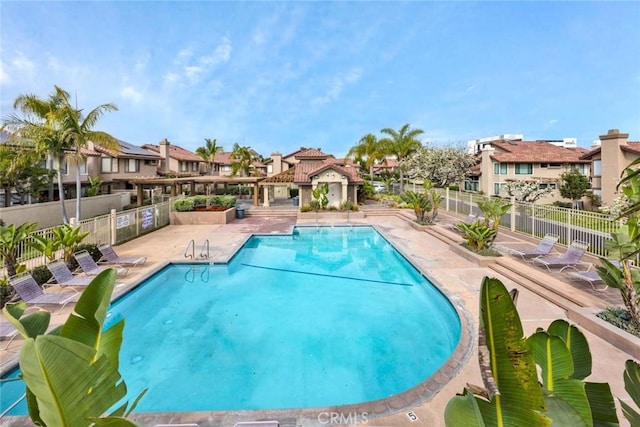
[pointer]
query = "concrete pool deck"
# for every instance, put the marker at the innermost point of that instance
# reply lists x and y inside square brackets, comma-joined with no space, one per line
[454,274]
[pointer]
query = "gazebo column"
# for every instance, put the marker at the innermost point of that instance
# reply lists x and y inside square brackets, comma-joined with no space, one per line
[173,189]
[140,194]
[192,192]
[265,192]
[255,194]
[344,195]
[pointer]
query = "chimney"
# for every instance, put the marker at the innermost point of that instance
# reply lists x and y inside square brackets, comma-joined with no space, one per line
[164,153]
[276,161]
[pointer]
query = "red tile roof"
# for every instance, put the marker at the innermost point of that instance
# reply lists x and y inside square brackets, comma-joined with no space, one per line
[222,158]
[310,154]
[535,152]
[176,152]
[304,171]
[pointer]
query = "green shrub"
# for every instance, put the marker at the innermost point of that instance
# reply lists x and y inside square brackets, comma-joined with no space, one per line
[621,318]
[184,205]
[41,274]
[560,204]
[315,205]
[305,208]
[349,206]
[199,200]
[227,201]
[6,291]
[454,188]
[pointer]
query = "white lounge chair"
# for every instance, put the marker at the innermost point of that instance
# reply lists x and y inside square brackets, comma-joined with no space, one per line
[109,256]
[544,248]
[571,258]
[89,266]
[31,293]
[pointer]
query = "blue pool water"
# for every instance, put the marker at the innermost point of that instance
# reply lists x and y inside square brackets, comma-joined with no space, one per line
[327,316]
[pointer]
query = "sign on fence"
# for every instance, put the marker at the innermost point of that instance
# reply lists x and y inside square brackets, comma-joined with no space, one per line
[147,218]
[123,221]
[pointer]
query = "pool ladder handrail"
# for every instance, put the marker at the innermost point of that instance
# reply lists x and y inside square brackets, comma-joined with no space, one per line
[204,255]
[192,245]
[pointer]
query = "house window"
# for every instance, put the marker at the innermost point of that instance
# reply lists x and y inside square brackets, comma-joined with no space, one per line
[184,167]
[500,168]
[83,167]
[65,167]
[524,168]
[194,167]
[472,184]
[109,165]
[597,168]
[497,186]
[132,165]
[551,185]
[225,168]
[269,168]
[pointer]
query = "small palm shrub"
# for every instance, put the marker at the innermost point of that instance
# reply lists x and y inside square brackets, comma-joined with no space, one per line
[477,235]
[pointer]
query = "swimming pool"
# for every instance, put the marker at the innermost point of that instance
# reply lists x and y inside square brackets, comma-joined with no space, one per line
[326,316]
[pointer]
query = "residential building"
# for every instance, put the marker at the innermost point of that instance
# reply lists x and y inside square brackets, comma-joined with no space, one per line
[130,161]
[500,161]
[609,157]
[177,161]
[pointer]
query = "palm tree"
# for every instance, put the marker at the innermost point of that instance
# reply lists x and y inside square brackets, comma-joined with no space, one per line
[39,130]
[77,131]
[208,152]
[242,157]
[369,149]
[401,143]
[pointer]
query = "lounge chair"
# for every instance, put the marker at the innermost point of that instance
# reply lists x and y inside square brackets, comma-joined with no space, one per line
[571,258]
[590,276]
[544,248]
[32,294]
[64,277]
[89,266]
[7,332]
[109,256]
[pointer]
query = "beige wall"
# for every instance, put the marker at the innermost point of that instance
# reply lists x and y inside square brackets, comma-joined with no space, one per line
[49,214]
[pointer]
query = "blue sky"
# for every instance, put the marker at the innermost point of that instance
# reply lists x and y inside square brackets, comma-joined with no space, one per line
[280,75]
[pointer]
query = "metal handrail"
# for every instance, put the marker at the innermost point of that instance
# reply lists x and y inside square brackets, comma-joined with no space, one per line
[202,252]
[192,245]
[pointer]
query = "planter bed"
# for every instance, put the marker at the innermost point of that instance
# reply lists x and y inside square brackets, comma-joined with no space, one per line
[204,216]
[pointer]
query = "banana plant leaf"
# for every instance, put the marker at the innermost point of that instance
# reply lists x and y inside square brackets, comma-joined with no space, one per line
[577,344]
[632,386]
[518,399]
[29,326]
[69,384]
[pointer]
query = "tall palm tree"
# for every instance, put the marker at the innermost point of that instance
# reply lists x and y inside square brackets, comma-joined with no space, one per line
[369,149]
[401,143]
[77,131]
[39,129]
[242,157]
[208,152]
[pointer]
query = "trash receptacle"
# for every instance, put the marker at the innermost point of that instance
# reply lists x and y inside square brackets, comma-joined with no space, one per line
[239,213]
[296,201]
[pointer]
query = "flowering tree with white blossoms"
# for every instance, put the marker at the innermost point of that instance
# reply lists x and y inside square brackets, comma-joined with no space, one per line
[442,166]
[525,191]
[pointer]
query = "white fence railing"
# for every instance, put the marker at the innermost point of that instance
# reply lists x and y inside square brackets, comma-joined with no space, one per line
[112,228]
[538,220]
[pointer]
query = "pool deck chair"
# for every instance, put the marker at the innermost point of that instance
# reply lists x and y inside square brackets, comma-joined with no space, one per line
[571,257]
[7,333]
[31,293]
[109,256]
[544,248]
[89,266]
[590,276]
[64,277]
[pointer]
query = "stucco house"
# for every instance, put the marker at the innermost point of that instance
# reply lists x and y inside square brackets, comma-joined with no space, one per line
[131,161]
[500,161]
[610,156]
[175,160]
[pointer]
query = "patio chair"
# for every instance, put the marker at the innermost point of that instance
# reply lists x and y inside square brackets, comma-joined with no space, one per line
[544,248]
[109,256]
[64,277]
[7,333]
[32,294]
[89,266]
[590,276]
[571,258]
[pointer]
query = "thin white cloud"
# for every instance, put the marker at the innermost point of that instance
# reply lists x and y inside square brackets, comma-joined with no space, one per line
[22,63]
[334,92]
[185,53]
[192,73]
[222,53]
[171,78]
[4,77]
[551,122]
[129,92]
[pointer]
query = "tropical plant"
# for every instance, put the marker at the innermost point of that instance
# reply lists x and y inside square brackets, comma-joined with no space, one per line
[493,209]
[184,205]
[68,238]
[477,235]
[71,374]
[369,149]
[77,131]
[421,204]
[242,158]
[574,185]
[632,386]
[319,194]
[401,143]
[94,186]
[208,152]
[11,240]
[21,170]
[512,394]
